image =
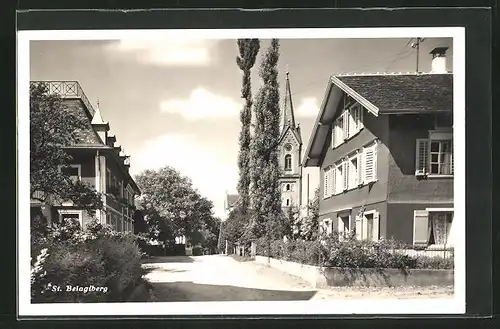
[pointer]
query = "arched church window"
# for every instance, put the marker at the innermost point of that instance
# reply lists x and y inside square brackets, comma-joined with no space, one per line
[288,187]
[288,162]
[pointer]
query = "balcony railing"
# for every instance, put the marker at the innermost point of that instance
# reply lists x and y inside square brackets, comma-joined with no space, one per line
[67,89]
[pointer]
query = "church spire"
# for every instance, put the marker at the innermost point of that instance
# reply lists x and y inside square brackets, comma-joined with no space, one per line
[288,117]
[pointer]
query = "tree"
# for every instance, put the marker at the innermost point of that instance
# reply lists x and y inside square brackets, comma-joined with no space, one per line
[52,127]
[248,49]
[265,191]
[171,204]
[310,225]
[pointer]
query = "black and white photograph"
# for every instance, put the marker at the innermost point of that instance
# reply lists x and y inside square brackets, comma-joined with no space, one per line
[259,171]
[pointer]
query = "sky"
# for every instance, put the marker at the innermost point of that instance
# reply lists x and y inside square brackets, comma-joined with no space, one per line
[177,103]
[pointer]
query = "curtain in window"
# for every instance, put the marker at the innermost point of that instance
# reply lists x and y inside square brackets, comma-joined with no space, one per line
[439,228]
[446,159]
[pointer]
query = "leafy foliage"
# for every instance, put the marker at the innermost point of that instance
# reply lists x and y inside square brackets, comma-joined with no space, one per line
[171,205]
[349,253]
[265,192]
[309,226]
[53,126]
[248,49]
[95,256]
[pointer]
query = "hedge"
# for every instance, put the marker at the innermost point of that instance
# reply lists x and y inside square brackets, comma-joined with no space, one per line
[349,253]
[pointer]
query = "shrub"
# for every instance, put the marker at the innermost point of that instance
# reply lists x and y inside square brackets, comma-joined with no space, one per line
[97,256]
[349,253]
[197,251]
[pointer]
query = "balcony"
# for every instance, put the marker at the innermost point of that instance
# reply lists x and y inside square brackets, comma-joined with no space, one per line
[67,89]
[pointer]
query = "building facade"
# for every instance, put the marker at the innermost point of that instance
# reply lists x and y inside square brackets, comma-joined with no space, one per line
[384,146]
[97,161]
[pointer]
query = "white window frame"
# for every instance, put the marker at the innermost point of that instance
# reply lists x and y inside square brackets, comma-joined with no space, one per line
[352,123]
[434,136]
[327,224]
[341,226]
[353,175]
[376,225]
[71,212]
[339,177]
[328,181]
[430,211]
[77,166]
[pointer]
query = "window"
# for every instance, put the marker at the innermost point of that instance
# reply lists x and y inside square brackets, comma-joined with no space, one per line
[287,202]
[439,227]
[370,163]
[288,187]
[434,157]
[288,147]
[367,226]
[343,226]
[353,172]
[109,179]
[327,226]
[73,171]
[339,177]
[432,226]
[347,124]
[288,162]
[328,181]
[66,215]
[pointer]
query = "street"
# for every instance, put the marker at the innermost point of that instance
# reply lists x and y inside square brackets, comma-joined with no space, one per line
[222,278]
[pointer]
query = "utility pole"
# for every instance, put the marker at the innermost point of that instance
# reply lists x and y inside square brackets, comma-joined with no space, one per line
[416,45]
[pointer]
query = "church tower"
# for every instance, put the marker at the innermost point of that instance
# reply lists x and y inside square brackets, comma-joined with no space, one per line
[290,150]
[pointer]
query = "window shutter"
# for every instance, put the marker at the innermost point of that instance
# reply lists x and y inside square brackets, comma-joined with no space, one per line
[376,224]
[340,226]
[375,161]
[333,171]
[360,167]
[368,165]
[334,131]
[422,155]
[325,183]
[355,172]
[345,115]
[364,225]
[346,174]
[358,227]
[420,227]
[452,162]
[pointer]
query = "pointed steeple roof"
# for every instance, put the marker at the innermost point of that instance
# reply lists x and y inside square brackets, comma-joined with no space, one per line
[288,116]
[97,119]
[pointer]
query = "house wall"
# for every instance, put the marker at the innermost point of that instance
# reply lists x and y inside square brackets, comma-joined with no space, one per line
[400,223]
[380,207]
[403,185]
[374,127]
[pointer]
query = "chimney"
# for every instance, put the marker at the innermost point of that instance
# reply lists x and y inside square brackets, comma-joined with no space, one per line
[439,60]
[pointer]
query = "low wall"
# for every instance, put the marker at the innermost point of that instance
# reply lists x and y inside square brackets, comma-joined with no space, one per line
[334,276]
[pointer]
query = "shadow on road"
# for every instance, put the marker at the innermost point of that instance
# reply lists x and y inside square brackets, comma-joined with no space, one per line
[196,292]
[168,259]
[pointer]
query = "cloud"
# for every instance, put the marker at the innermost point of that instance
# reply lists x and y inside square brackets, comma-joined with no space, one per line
[169,52]
[202,104]
[210,174]
[308,107]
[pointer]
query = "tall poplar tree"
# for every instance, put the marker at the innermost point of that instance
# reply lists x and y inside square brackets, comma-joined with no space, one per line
[265,192]
[248,50]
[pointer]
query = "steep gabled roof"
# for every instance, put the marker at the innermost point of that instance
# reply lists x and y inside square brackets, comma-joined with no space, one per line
[397,93]
[295,132]
[404,92]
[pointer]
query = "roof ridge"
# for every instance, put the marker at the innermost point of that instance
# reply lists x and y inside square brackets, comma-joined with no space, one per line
[388,74]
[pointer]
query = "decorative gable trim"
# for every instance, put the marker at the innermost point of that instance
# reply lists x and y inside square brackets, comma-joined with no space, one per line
[360,99]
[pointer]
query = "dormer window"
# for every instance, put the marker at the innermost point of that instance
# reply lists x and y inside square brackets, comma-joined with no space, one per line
[288,162]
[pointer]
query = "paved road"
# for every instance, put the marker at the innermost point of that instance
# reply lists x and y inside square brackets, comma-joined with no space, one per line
[221,278]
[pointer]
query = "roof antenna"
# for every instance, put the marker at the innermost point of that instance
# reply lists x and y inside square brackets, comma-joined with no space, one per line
[416,45]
